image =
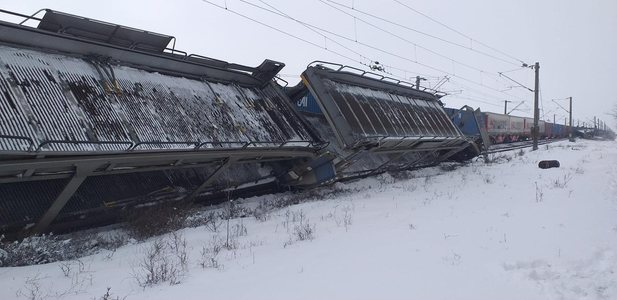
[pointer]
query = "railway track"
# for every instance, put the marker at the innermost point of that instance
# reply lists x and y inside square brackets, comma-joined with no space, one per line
[519,145]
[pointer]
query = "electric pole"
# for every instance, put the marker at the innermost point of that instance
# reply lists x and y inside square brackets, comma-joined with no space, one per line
[536,109]
[418,78]
[505,108]
[570,131]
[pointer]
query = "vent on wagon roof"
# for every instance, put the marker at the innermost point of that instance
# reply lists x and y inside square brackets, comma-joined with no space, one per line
[100,31]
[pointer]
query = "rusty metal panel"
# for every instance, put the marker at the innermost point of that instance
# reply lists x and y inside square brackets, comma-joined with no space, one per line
[63,103]
[364,110]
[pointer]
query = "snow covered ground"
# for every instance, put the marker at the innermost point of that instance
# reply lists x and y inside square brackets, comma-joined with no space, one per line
[506,230]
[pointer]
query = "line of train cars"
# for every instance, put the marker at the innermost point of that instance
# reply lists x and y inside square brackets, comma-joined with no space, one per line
[502,128]
[499,128]
[97,119]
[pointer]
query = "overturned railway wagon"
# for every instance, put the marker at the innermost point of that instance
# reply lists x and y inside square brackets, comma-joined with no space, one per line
[97,119]
[374,123]
[96,116]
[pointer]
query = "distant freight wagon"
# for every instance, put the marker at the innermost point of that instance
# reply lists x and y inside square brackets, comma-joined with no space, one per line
[502,128]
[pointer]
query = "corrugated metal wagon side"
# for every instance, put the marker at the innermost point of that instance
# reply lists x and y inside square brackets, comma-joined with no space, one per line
[95,117]
[377,124]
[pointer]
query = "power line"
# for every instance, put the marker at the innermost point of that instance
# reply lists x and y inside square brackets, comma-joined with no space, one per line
[431,51]
[393,54]
[310,27]
[465,87]
[424,33]
[474,100]
[519,84]
[279,30]
[408,41]
[313,30]
[351,40]
[514,70]
[289,34]
[458,32]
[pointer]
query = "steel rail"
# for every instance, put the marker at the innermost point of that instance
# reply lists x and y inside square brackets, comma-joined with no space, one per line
[525,145]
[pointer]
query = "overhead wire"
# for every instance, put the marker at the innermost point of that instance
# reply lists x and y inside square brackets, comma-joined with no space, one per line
[423,33]
[294,36]
[513,70]
[474,100]
[407,40]
[371,47]
[352,40]
[483,93]
[458,32]
[431,51]
[283,14]
[279,30]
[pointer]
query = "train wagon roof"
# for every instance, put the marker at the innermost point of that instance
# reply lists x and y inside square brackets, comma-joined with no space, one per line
[55,21]
[80,36]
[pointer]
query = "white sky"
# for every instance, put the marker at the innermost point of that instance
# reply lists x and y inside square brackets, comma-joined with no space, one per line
[574,41]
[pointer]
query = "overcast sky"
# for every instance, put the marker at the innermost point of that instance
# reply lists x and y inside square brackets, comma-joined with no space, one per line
[574,41]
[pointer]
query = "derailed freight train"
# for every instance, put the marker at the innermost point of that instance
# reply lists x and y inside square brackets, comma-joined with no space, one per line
[373,123]
[98,118]
[504,128]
